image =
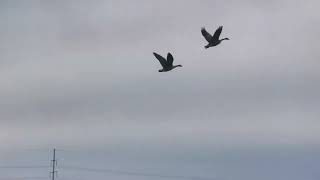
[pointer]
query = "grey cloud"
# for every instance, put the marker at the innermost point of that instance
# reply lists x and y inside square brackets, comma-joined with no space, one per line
[85,71]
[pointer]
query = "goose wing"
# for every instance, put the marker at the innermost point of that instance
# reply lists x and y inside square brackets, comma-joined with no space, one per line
[161,59]
[217,33]
[205,34]
[169,59]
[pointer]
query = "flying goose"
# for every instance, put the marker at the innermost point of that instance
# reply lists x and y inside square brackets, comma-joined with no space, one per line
[212,40]
[166,63]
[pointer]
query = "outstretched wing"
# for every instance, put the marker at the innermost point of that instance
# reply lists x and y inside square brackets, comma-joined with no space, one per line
[217,33]
[206,35]
[169,59]
[161,59]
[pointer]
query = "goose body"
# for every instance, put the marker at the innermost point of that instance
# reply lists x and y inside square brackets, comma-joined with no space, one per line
[167,64]
[212,40]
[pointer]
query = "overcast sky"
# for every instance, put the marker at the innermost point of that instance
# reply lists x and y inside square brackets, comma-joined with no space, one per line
[80,75]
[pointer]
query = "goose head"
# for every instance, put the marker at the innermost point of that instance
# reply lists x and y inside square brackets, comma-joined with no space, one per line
[176,66]
[224,39]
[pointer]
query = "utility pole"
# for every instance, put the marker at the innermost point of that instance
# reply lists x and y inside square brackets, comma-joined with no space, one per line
[54,163]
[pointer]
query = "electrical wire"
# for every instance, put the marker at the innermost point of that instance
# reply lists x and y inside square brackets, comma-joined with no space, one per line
[22,178]
[23,167]
[118,172]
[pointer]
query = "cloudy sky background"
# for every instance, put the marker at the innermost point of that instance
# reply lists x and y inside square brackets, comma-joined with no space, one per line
[80,76]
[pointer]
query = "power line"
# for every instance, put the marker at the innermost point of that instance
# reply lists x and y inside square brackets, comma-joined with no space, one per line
[23,167]
[23,178]
[111,171]
[53,172]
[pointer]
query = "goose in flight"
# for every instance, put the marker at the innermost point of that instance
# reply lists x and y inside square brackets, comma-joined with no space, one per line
[166,63]
[212,40]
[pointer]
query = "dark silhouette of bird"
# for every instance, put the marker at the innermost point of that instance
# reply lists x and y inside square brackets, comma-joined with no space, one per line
[166,63]
[212,40]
